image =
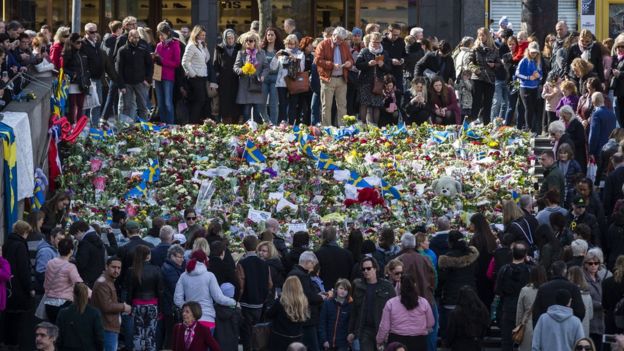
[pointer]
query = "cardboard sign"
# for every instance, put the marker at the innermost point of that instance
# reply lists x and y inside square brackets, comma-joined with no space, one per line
[257,216]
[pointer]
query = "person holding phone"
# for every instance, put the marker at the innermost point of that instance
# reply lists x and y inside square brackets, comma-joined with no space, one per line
[373,63]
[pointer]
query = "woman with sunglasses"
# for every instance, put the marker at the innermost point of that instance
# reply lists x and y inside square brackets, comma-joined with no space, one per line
[585,344]
[250,85]
[77,69]
[595,273]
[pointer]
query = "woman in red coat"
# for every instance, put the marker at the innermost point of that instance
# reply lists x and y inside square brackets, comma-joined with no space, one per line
[191,335]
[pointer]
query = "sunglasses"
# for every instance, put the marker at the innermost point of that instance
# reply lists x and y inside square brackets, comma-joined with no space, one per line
[92,32]
[191,218]
[364,269]
[583,348]
[250,41]
[592,263]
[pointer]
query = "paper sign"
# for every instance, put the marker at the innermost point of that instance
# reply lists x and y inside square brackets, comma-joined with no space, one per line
[297,227]
[373,181]
[276,196]
[258,216]
[283,203]
[134,150]
[317,199]
[342,175]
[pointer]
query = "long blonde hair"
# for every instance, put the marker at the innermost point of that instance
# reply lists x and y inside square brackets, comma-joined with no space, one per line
[294,300]
[511,212]
[489,41]
[195,33]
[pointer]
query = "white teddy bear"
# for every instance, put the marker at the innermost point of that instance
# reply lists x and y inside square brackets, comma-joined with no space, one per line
[447,186]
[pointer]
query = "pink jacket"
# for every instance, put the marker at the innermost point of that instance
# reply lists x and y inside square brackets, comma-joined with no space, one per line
[5,276]
[60,277]
[398,320]
[169,58]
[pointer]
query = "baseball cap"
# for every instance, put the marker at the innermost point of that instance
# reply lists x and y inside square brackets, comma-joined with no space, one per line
[579,201]
[132,225]
[534,47]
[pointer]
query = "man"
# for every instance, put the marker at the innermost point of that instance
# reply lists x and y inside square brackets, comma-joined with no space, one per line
[126,252]
[333,61]
[302,270]
[579,215]
[91,253]
[369,298]
[510,280]
[46,334]
[417,33]
[23,52]
[579,249]
[290,27]
[613,184]
[134,67]
[104,298]
[546,294]
[159,253]
[385,249]
[273,226]
[47,250]
[108,45]
[14,29]
[185,31]
[129,23]
[551,200]
[603,122]
[95,62]
[558,329]
[254,280]
[335,261]
[560,52]
[553,178]
[584,188]
[439,61]
[255,27]
[439,242]
[394,45]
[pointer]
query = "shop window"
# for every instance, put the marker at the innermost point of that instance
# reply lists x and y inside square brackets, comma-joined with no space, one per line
[616,19]
[90,13]
[235,14]
[384,12]
[138,9]
[178,12]
[329,13]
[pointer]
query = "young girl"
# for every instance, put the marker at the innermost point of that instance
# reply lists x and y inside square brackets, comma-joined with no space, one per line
[334,320]
[570,97]
[551,95]
[464,93]
[390,112]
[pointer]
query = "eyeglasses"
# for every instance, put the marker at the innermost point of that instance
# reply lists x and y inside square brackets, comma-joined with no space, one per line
[583,348]
[592,263]
[364,269]
[191,218]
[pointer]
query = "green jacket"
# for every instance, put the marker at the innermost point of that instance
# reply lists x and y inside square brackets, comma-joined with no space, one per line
[83,332]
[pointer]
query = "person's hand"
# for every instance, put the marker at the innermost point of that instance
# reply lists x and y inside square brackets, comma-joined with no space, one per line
[350,338]
[183,92]
[261,79]
[326,344]
[122,90]
[615,72]
[14,69]
[347,64]
[23,69]
[396,62]
[372,62]
[619,339]
[24,56]
[337,66]
[127,308]
[32,293]
[146,83]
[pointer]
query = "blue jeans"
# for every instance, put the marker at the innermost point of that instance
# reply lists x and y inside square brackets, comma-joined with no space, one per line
[110,106]
[269,89]
[94,113]
[501,98]
[316,109]
[111,339]
[164,96]
[514,104]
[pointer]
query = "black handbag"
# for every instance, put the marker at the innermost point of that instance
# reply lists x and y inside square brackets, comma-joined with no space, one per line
[254,84]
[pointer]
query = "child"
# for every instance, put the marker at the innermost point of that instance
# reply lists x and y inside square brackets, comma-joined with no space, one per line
[551,95]
[334,319]
[464,93]
[390,113]
[570,97]
[227,322]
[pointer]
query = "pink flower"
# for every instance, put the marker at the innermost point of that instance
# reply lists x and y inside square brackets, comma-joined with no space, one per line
[131,210]
[99,183]
[96,164]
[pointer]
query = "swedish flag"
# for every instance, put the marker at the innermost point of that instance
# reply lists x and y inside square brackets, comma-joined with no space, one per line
[439,136]
[58,100]
[358,181]
[149,126]
[109,217]
[401,129]
[515,196]
[468,132]
[152,173]
[307,149]
[252,154]
[325,163]
[388,189]
[99,134]
[138,191]
[9,148]
[39,195]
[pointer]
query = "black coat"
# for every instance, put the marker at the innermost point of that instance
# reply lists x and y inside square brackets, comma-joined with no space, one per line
[224,271]
[150,287]
[284,331]
[456,269]
[133,65]
[278,274]
[227,323]
[227,80]
[396,50]
[614,245]
[415,112]
[335,262]
[595,58]
[15,250]
[292,259]
[613,189]
[76,67]
[510,280]
[90,258]
[80,332]
[95,58]
[612,293]
[311,292]
[170,275]
[546,297]
[159,254]
[617,84]
[384,291]
[443,66]
[579,142]
[126,253]
[591,221]
[367,72]
[413,54]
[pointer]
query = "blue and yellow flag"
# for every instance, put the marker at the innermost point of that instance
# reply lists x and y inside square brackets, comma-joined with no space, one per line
[99,134]
[307,149]
[468,132]
[149,126]
[325,163]
[515,196]
[39,195]
[388,189]
[138,191]
[109,217]
[358,181]
[9,161]
[58,100]
[252,154]
[439,136]
[152,173]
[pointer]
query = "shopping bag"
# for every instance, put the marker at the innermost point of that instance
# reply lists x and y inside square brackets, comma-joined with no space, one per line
[92,100]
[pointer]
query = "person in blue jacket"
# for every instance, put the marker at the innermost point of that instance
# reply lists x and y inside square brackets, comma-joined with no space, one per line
[602,123]
[529,72]
[334,320]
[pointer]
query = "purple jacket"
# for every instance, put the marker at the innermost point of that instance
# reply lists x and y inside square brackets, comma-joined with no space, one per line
[169,58]
[571,101]
[5,276]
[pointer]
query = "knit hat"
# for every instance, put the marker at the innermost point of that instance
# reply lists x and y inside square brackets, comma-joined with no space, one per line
[503,22]
[227,289]
[196,256]
[356,31]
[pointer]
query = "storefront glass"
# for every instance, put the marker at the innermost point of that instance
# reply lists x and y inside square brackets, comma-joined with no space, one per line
[178,12]
[235,14]
[386,12]
[616,19]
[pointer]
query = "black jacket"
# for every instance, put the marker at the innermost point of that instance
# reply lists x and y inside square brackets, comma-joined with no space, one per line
[456,269]
[95,58]
[335,262]
[510,280]
[170,275]
[292,259]
[278,274]
[591,221]
[415,112]
[413,54]
[524,229]
[311,292]
[546,297]
[224,271]
[150,287]
[108,45]
[613,189]
[384,291]
[15,250]
[76,67]
[617,84]
[80,332]
[159,254]
[90,257]
[579,142]
[614,245]
[133,65]
[227,327]
[396,50]
[368,72]
[126,253]
[595,58]
[442,66]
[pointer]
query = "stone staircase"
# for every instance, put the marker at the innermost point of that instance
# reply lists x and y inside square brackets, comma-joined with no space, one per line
[541,144]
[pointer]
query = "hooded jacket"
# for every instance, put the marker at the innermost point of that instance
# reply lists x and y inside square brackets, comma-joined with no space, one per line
[421,268]
[90,257]
[45,252]
[170,275]
[61,275]
[456,269]
[557,329]
[201,286]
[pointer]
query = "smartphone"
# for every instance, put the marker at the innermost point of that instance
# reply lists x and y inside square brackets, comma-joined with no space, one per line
[608,339]
[5,75]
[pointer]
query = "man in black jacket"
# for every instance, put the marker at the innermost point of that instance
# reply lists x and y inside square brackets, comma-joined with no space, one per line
[613,184]
[335,261]
[134,68]
[91,253]
[394,46]
[547,291]
[126,252]
[108,45]
[579,215]
[95,62]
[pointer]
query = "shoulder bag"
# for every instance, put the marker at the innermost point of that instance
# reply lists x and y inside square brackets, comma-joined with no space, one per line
[378,84]
[517,333]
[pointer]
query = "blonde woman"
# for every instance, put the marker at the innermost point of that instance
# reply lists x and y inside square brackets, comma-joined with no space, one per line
[582,71]
[250,86]
[196,63]
[483,59]
[529,72]
[56,51]
[373,63]
[195,244]
[415,103]
[288,314]
[267,252]
[283,61]
[586,50]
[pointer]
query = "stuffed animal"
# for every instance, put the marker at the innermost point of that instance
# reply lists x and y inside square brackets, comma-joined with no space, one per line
[447,186]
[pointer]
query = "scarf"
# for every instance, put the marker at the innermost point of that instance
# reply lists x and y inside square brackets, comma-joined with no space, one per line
[586,54]
[375,51]
[251,56]
[620,57]
[189,335]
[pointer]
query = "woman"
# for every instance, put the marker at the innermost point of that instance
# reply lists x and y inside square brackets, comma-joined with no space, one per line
[77,69]
[145,294]
[613,290]
[558,136]
[267,251]
[197,242]
[485,242]
[585,107]
[167,56]
[415,105]
[570,169]
[190,335]
[595,274]
[288,62]
[547,52]
[422,246]
[443,103]
[393,271]
[56,51]
[250,85]
[271,44]
[80,324]
[585,344]
[35,219]
[510,61]
[526,298]
[373,63]
[55,211]
[226,53]
[617,82]
[483,60]
[585,49]
[354,244]
[60,277]
[406,318]
[195,62]
[468,322]
[530,73]
[576,277]
[574,129]
[288,314]
[455,269]
[582,71]
[171,271]
[306,45]
[198,284]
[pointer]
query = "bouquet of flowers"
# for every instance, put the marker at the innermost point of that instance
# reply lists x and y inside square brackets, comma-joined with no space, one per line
[249,69]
